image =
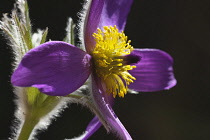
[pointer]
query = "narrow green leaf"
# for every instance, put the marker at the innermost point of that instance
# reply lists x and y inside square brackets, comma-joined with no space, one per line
[44,36]
[70,32]
[27,18]
[20,35]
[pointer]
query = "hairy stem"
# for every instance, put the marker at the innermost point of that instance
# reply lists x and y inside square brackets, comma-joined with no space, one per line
[27,128]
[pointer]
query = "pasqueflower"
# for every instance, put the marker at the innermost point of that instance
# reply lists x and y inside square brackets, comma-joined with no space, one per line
[57,68]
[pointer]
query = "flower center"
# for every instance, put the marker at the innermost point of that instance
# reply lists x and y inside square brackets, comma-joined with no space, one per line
[109,60]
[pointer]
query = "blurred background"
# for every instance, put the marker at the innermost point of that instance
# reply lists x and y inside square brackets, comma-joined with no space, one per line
[181,113]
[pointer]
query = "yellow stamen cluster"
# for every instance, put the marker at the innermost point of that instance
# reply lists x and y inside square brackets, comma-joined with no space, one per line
[111,47]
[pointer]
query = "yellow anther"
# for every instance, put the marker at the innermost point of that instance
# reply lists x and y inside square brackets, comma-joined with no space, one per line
[111,46]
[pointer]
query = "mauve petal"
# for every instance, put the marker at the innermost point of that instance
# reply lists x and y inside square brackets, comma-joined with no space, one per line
[104,13]
[103,102]
[91,23]
[92,127]
[55,68]
[154,71]
[115,12]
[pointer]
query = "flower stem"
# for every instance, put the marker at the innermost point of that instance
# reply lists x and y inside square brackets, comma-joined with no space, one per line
[27,128]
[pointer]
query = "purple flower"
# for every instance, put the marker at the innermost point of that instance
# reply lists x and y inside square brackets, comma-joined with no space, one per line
[113,65]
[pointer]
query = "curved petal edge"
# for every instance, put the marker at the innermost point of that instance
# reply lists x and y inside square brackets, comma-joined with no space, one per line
[56,68]
[115,12]
[103,103]
[154,72]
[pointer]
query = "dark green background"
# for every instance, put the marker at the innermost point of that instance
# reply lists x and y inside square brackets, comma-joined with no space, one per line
[180,28]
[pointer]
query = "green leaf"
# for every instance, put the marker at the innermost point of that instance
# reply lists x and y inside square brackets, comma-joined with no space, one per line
[18,28]
[44,36]
[70,32]
[27,18]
